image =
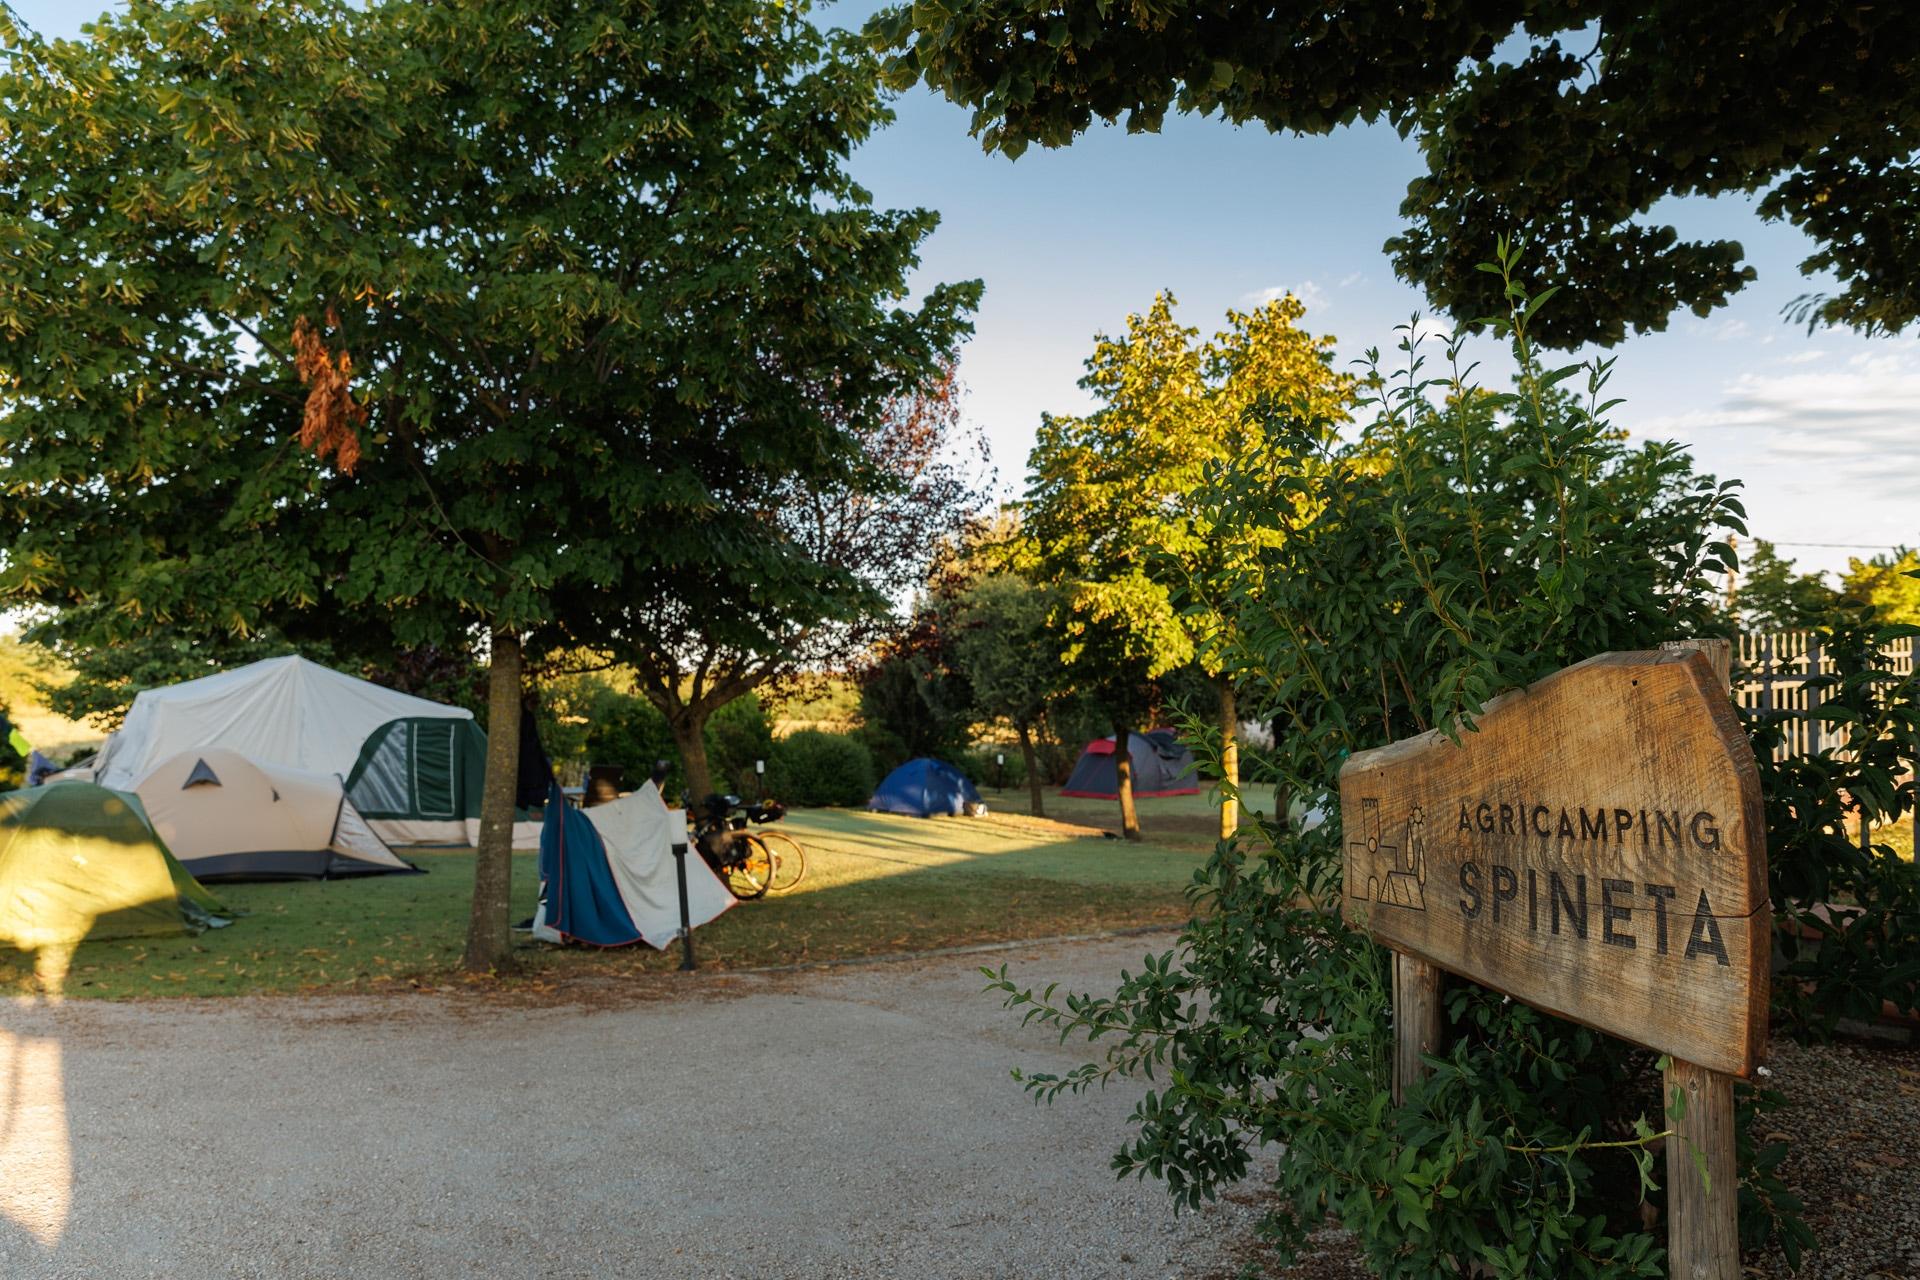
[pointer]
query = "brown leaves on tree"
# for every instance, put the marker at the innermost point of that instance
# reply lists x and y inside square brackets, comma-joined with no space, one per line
[330,425]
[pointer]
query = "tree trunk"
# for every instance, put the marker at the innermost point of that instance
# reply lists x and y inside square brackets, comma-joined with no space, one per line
[1123,781]
[1033,768]
[1229,761]
[489,945]
[690,737]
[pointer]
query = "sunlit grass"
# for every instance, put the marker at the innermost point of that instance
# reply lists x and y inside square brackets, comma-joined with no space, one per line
[875,883]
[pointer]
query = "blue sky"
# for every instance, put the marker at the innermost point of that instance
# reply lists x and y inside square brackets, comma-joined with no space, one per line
[1821,428]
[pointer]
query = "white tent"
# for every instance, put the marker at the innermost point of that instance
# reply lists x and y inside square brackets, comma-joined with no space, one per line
[223,815]
[297,714]
[633,837]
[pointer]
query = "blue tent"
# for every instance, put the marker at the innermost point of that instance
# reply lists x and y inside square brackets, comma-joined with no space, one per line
[921,788]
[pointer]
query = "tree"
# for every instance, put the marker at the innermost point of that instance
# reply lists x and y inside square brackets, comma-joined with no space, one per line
[1887,583]
[1772,597]
[914,698]
[457,320]
[840,548]
[1000,640]
[1568,120]
[1110,506]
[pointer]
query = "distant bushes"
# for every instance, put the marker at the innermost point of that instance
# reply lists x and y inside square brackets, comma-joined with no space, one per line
[816,768]
[978,763]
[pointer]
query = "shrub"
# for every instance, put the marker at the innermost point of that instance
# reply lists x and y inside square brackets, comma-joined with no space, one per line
[13,765]
[737,735]
[1465,543]
[978,763]
[1868,950]
[816,768]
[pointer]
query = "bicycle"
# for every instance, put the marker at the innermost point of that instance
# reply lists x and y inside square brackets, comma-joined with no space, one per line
[751,863]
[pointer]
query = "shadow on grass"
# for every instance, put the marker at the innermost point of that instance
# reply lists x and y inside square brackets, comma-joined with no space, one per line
[875,883]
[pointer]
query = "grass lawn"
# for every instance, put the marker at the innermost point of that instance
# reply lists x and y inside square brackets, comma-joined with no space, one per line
[1177,821]
[875,883]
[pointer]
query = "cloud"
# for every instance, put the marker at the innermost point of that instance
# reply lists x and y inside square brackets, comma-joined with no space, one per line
[1842,427]
[1308,291]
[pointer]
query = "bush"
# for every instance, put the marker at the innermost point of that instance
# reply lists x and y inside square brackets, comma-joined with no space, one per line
[977,762]
[1844,963]
[739,734]
[816,768]
[13,765]
[1464,543]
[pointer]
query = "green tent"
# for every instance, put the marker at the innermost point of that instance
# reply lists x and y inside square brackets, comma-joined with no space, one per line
[78,861]
[418,775]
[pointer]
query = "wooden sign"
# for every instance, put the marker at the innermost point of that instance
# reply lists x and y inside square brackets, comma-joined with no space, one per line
[1596,848]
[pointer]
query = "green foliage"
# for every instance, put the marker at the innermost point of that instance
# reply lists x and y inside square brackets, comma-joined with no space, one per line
[1862,946]
[13,761]
[105,678]
[999,639]
[1573,118]
[1888,584]
[627,730]
[914,701]
[1772,597]
[983,763]
[815,768]
[1107,508]
[406,321]
[1462,544]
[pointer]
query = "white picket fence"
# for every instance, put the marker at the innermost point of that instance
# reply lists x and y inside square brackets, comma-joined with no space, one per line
[1774,672]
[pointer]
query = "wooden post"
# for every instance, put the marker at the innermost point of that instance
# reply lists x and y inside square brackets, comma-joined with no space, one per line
[1703,1215]
[1418,1024]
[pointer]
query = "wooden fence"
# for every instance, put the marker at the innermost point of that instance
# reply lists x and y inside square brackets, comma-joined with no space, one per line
[1775,672]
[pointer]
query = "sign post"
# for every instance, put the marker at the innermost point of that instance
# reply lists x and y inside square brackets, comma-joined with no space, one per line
[1596,848]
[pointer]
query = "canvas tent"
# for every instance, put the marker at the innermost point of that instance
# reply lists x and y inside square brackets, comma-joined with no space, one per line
[924,787]
[226,816]
[78,861]
[1162,766]
[607,874]
[412,767]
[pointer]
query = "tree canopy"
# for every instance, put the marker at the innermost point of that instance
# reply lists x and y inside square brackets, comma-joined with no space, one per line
[1110,507]
[705,635]
[1566,121]
[449,321]
[1771,595]
[1889,584]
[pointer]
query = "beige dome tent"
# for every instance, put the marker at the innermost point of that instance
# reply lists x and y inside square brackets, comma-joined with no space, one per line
[224,815]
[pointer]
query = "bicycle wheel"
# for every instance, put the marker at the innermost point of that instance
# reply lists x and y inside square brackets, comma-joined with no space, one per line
[789,860]
[750,869]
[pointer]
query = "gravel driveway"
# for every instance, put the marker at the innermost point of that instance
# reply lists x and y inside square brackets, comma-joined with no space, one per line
[859,1123]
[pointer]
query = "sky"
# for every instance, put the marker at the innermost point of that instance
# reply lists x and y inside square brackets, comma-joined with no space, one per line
[1821,428]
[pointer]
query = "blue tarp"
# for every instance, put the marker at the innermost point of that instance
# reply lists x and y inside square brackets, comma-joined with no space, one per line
[921,788]
[582,900]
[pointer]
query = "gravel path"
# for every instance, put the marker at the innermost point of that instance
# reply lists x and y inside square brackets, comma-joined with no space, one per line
[852,1124]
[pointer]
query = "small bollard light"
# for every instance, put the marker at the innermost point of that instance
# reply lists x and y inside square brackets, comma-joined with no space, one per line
[678,845]
[760,778]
